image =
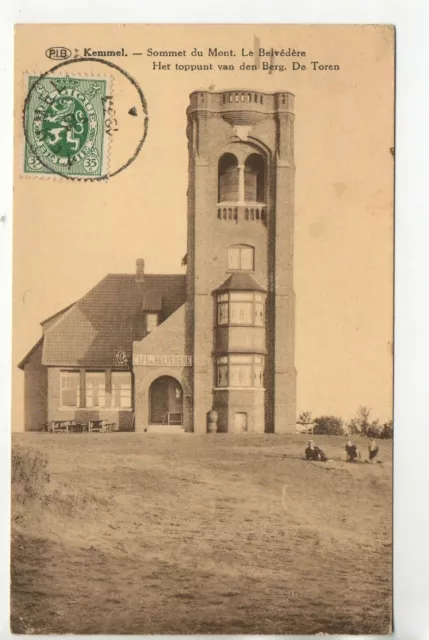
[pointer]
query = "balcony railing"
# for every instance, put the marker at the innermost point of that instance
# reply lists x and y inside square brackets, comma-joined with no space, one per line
[253,212]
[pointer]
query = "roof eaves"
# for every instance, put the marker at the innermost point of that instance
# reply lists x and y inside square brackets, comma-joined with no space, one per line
[32,350]
[54,315]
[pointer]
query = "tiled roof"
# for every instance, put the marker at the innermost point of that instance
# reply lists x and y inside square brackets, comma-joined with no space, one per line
[108,319]
[30,353]
[57,313]
[240,282]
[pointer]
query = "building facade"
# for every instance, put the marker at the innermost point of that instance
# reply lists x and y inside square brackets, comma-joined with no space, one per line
[147,349]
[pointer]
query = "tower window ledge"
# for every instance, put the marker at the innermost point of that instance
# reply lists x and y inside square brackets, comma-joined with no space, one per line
[242,211]
[238,203]
[238,388]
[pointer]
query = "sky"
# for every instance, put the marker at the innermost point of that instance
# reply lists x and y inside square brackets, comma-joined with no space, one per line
[69,235]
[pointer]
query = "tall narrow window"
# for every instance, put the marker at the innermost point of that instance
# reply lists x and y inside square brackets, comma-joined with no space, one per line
[241,257]
[258,371]
[70,388]
[259,310]
[228,178]
[254,178]
[222,371]
[121,389]
[241,311]
[95,389]
[151,321]
[240,371]
[222,309]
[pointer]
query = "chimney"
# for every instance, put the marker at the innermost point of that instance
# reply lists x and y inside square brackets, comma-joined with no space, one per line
[139,270]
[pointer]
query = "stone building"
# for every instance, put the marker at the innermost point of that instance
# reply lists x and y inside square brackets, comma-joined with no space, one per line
[144,349]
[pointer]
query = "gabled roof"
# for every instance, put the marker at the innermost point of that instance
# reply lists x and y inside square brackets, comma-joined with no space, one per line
[240,282]
[108,319]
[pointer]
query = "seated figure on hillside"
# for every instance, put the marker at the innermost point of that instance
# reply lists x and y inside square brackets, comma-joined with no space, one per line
[313,452]
[352,452]
[372,449]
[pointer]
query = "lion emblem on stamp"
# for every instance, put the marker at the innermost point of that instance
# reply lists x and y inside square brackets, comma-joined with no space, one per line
[64,126]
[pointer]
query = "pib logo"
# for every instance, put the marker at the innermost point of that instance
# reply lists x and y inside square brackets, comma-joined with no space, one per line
[58,53]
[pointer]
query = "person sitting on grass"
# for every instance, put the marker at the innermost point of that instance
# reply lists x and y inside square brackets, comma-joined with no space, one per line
[312,452]
[352,452]
[372,450]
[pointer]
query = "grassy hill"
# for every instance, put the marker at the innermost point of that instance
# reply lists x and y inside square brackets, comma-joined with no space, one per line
[163,534]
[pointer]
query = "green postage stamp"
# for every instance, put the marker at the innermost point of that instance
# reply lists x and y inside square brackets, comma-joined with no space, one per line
[64,120]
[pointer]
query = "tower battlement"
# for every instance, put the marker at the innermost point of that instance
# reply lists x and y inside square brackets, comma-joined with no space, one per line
[241,100]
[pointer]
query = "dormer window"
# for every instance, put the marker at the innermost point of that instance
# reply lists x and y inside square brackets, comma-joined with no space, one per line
[152,321]
[152,309]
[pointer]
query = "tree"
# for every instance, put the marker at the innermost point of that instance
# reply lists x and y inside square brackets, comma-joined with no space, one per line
[360,424]
[305,418]
[328,425]
[387,430]
[362,418]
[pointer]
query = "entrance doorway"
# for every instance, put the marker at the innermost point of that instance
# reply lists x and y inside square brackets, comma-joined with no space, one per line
[165,401]
[240,422]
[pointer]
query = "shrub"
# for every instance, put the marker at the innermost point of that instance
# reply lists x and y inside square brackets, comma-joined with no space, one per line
[328,425]
[373,430]
[29,474]
[352,427]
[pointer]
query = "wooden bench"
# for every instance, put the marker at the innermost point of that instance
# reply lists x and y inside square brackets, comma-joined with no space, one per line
[174,417]
[101,426]
[73,426]
[59,426]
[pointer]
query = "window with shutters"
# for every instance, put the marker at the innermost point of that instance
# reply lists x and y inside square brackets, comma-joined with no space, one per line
[241,257]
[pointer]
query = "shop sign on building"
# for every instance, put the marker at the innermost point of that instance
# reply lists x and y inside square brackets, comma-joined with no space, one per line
[141,360]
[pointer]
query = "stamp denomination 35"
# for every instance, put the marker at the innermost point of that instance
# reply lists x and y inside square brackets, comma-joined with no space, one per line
[64,126]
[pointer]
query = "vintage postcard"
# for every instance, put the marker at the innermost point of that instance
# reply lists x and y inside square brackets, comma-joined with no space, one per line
[203,329]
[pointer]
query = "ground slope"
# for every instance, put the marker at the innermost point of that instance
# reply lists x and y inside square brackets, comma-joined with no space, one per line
[148,533]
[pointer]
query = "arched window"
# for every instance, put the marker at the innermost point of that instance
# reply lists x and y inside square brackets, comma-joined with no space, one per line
[241,257]
[254,178]
[228,178]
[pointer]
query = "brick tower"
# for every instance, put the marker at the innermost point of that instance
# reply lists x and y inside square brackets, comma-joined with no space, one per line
[240,298]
